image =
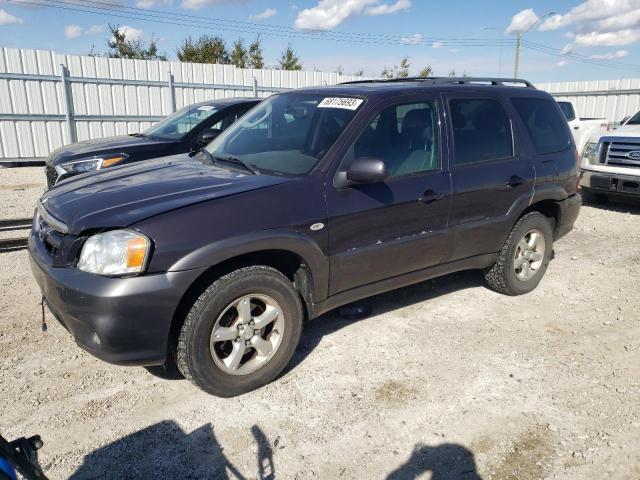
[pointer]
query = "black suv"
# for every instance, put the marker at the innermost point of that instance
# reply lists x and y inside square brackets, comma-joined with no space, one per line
[314,199]
[186,130]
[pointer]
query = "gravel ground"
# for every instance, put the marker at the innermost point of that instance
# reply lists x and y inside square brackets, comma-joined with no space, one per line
[445,380]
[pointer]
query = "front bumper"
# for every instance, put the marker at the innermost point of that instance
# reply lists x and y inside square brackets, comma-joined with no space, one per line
[125,321]
[610,183]
[569,210]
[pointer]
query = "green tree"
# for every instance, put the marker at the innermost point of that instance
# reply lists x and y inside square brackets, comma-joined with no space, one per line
[289,60]
[239,54]
[121,47]
[426,72]
[403,72]
[256,60]
[388,72]
[206,49]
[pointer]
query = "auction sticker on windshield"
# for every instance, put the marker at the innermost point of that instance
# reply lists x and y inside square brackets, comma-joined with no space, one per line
[340,102]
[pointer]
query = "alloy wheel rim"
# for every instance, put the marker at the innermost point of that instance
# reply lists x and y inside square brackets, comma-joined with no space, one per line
[529,255]
[247,334]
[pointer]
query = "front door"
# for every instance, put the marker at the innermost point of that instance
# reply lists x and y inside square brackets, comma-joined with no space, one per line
[382,230]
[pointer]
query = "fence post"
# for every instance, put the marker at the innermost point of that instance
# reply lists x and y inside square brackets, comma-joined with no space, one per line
[172,93]
[68,103]
[255,86]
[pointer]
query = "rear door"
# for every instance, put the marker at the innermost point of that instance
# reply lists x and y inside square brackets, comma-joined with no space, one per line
[382,230]
[491,174]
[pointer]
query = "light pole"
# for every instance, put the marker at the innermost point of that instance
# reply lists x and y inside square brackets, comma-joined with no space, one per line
[519,36]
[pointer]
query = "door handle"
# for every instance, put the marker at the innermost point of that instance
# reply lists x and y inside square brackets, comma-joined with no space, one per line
[514,181]
[577,127]
[431,196]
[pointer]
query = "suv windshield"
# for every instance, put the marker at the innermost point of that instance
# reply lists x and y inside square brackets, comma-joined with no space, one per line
[288,133]
[635,120]
[177,125]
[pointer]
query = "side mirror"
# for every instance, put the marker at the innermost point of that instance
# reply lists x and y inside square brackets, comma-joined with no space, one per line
[367,170]
[207,136]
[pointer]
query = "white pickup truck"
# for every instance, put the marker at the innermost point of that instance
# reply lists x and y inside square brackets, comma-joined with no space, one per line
[611,163]
[581,128]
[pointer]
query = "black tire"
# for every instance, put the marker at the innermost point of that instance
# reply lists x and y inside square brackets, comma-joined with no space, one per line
[194,357]
[501,277]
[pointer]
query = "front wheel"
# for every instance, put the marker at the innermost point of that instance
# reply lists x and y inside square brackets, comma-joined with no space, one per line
[241,332]
[524,257]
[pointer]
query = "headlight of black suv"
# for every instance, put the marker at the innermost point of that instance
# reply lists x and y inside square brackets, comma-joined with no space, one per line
[90,164]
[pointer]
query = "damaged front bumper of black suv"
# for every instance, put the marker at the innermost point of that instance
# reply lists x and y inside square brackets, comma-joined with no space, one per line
[124,321]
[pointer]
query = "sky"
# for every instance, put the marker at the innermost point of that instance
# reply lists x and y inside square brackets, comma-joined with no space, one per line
[590,40]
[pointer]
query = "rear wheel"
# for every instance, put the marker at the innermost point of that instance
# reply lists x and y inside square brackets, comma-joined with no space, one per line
[241,332]
[524,257]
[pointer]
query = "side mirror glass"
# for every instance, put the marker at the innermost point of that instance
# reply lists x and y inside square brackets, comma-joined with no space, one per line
[207,136]
[367,170]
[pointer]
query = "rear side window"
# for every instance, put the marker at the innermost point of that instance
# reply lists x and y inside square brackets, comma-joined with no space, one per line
[567,110]
[481,131]
[548,130]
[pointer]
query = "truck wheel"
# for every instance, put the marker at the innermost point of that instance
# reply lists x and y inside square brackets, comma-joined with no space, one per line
[524,256]
[241,332]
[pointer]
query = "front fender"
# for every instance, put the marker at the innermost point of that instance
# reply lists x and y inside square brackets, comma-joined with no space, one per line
[281,239]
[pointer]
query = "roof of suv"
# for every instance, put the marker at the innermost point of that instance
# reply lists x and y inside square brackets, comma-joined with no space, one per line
[382,87]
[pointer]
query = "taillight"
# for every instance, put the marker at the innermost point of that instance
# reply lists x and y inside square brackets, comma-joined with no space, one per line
[577,171]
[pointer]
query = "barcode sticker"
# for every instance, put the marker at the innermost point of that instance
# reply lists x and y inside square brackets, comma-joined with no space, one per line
[340,102]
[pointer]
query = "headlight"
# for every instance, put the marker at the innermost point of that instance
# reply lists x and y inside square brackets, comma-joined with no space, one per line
[590,153]
[90,164]
[118,252]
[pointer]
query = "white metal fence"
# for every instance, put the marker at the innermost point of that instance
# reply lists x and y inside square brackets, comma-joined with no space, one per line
[610,99]
[48,100]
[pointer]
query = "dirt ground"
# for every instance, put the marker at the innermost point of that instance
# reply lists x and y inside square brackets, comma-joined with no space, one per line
[445,380]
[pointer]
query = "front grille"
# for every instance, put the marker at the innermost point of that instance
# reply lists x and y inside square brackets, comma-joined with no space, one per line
[619,153]
[52,176]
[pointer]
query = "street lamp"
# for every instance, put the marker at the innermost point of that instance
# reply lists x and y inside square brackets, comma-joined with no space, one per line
[519,36]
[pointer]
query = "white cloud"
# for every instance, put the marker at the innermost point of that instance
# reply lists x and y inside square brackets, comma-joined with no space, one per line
[414,39]
[608,39]
[72,31]
[75,31]
[561,63]
[130,33]
[94,29]
[611,55]
[198,4]
[386,8]
[522,21]
[437,45]
[7,19]
[599,23]
[146,4]
[328,14]
[268,13]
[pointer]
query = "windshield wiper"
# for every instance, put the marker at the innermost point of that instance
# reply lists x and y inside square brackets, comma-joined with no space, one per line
[234,160]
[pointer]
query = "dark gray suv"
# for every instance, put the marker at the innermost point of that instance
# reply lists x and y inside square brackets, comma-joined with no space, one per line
[314,199]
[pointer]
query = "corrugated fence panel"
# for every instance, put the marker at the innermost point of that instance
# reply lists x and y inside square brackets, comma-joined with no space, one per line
[609,99]
[104,92]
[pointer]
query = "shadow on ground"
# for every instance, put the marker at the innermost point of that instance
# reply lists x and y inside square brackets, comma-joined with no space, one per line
[448,461]
[164,450]
[614,204]
[331,322]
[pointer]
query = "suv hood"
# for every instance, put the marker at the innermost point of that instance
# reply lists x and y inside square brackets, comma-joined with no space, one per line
[92,148]
[120,196]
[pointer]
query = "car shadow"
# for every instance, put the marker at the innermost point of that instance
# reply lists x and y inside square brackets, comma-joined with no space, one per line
[448,461]
[331,322]
[164,450]
[615,204]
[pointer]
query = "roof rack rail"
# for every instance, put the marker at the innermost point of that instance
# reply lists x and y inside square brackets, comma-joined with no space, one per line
[503,82]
